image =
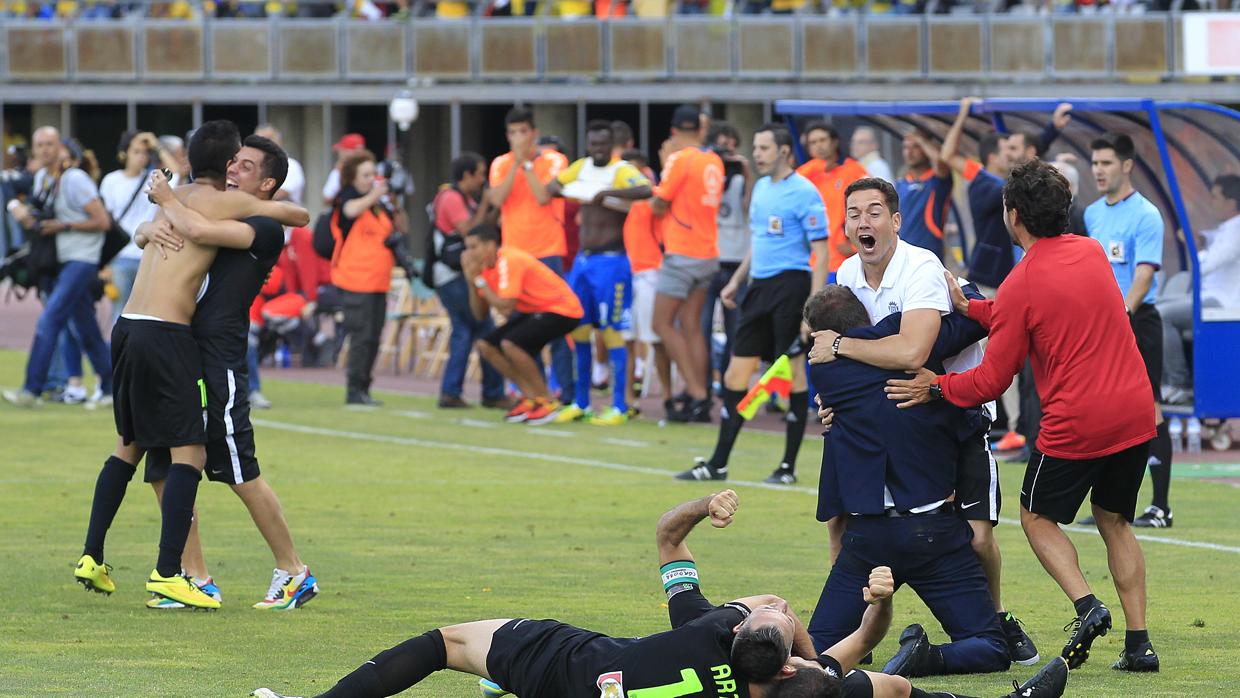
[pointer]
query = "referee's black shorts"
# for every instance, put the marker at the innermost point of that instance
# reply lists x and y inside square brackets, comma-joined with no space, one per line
[532,331]
[1148,328]
[771,316]
[1056,487]
[230,435]
[159,397]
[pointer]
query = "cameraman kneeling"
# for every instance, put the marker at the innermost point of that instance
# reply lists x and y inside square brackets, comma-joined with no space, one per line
[65,203]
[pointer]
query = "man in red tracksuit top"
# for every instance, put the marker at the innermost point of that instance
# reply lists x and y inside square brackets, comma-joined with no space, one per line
[1060,306]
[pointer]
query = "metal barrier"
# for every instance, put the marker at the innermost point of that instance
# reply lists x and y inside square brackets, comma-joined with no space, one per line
[850,48]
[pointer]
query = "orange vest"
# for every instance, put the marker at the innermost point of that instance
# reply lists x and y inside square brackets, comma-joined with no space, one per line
[361,263]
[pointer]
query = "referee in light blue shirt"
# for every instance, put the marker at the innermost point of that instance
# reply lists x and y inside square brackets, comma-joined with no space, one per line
[788,227]
[1130,230]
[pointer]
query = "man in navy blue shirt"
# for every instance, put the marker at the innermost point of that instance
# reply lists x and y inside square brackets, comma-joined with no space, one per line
[992,256]
[893,471]
[788,222]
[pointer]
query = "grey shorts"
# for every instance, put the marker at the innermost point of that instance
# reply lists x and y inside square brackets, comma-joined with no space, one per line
[679,276]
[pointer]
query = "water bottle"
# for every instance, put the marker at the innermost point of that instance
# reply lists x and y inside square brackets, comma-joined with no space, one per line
[1194,435]
[1176,429]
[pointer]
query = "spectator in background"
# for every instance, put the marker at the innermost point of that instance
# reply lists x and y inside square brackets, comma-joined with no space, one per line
[687,199]
[925,192]
[77,220]
[361,267]
[349,144]
[1218,263]
[121,192]
[531,219]
[992,257]
[864,147]
[459,208]
[294,187]
[643,243]
[1066,164]
[623,135]
[831,173]
[733,224]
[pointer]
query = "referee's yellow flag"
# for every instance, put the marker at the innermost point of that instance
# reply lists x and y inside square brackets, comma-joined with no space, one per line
[776,381]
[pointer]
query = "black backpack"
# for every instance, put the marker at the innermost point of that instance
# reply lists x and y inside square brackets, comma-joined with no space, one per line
[323,240]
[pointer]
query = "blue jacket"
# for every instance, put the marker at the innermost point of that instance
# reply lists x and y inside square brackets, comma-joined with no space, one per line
[873,443]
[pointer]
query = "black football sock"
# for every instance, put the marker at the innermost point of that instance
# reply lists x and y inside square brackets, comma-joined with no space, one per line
[1160,467]
[177,508]
[794,426]
[1134,639]
[730,424]
[394,670]
[110,488]
[918,693]
[1085,603]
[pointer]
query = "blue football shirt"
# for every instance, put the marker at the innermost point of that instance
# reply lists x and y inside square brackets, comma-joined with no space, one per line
[1131,233]
[784,218]
[924,202]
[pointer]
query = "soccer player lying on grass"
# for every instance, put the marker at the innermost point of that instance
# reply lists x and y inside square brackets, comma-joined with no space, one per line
[754,646]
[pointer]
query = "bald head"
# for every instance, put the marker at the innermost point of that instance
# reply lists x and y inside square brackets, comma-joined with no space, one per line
[864,141]
[46,145]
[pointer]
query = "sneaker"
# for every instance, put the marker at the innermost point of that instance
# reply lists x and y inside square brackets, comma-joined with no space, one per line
[1093,624]
[1049,682]
[74,394]
[519,412]
[783,475]
[207,585]
[674,412]
[699,411]
[451,402]
[1154,517]
[1144,659]
[490,689]
[99,399]
[913,658]
[572,413]
[543,412]
[611,418]
[701,470]
[289,591]
[259,401]
[1011,441]
[21,398]
[360,398]
[94,575]
[179,588]
[268,693]
[1020,647]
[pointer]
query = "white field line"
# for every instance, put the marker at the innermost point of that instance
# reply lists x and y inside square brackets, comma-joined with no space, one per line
[627,468]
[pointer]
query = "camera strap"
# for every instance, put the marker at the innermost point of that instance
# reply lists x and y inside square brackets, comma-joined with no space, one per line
[141,181]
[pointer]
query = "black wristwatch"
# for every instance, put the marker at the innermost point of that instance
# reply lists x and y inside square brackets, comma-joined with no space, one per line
[936,391]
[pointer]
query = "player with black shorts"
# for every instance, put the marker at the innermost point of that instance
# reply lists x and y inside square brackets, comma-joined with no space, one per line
[788,222]
[221,327]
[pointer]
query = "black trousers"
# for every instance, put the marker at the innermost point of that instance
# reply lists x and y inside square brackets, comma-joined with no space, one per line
[363,320]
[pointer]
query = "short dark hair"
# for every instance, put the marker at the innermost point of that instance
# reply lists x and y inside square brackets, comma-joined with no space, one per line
[922,131]
[890,196]
[1041,195]
[820,125]
[1121,143]
[350,163]
[600,125]
[1030,141]
[721,128]
[621,132]
[486,232]
[807,683]
[275,160]
[1230,184]
[635,156]
[781,133]
[835,307]
[465,164]
[989,145]
[759,653]
[213,145]
[122,147]
[519,115]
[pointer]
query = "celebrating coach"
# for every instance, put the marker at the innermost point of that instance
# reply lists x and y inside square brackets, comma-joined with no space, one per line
[1061,306]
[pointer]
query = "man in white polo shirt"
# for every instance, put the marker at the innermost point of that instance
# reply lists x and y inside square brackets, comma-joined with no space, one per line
[890,276]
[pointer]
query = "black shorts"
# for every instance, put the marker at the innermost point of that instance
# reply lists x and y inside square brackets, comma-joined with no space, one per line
[858,685]
[1055,487]
[230,435]
[977,480]
[532,332]
[771,316]
[1148,328]
[546,659]
[159,397]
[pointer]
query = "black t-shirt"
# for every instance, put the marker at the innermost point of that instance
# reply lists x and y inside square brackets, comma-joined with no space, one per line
[221,323]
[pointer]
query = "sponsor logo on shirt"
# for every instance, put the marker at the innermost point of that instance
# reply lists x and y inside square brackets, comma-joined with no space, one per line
[611,685]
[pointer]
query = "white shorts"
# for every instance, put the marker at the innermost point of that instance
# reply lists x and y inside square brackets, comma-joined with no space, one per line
[644,288]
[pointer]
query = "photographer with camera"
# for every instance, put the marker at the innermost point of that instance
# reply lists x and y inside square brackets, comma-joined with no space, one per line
[366,249]
[457,209]
[121,193]
[67,220]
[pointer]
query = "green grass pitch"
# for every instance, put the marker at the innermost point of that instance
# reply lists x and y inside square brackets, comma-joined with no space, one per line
[413,518]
